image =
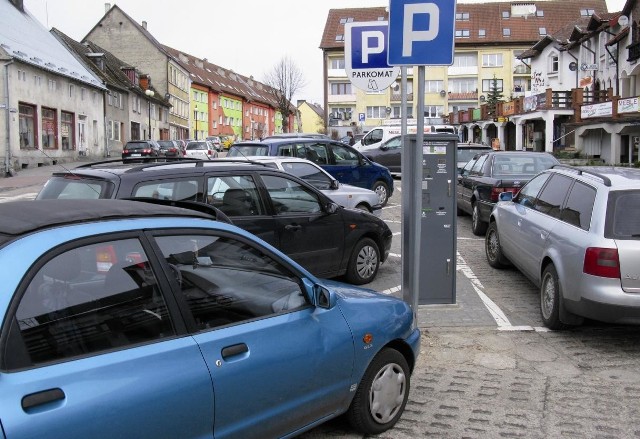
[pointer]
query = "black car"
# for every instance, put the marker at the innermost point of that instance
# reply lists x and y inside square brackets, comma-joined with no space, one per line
[468,150]
[487,175]
[169,148]
[388,154]
[280,208]
[140,149]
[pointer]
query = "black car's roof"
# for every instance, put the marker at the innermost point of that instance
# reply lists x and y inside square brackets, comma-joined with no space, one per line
[22,217]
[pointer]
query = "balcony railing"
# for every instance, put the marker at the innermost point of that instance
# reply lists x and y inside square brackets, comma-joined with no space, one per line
[469,96]
[398,96]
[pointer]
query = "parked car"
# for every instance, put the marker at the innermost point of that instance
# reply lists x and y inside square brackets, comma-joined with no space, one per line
[376,136]
[296,135]
[226,141]
[347,139]
[341,161]
[182,145]
[140,149]
[345,195]
[575,233]
[215,140]
[169,148]
[201,149]
[468,150]
[129,319]
[280,208]
[388,154]
[489,174]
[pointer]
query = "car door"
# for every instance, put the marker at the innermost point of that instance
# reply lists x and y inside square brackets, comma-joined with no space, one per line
[237,195]
[306,233]
[348,167]
[278,363]
[95,351]
[391,156]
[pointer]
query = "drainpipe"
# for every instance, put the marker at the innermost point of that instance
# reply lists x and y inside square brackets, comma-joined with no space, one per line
[7,155]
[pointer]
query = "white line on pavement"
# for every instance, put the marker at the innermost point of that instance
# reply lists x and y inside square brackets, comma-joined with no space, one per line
[28,196]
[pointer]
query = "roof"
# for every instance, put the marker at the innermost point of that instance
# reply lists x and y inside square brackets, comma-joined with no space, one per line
[316,108]
[524,29]
[22,217]
[26,40]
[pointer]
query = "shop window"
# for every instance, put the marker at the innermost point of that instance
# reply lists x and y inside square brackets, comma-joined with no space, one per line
[49,128]
[66,131]
[27,125]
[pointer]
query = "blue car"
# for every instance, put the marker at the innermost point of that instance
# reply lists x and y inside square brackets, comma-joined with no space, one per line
[343,162]
[133,319]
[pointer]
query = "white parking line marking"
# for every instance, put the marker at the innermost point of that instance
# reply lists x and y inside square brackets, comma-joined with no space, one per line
[29,196]
[395,255]
[392,290]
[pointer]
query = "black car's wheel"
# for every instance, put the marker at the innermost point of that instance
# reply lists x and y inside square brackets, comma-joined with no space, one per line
[492,248]
[382,394]
[382,190]
[364,262]
[550,296]
[477,226]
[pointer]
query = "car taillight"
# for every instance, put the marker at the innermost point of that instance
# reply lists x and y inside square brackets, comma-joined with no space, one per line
[125,151]
[146,151]
[209,151]
[496,191]
[602,262]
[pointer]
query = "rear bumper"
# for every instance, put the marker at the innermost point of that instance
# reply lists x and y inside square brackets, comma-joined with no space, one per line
[605,312]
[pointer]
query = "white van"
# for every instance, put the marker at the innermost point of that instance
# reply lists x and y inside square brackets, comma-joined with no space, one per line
[374,138]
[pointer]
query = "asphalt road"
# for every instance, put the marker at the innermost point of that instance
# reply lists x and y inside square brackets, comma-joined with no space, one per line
[487,368]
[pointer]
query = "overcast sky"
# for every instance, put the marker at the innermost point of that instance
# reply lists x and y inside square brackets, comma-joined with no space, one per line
[247,36]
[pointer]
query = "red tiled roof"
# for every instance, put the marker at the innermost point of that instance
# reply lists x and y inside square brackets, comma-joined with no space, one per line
[487,16]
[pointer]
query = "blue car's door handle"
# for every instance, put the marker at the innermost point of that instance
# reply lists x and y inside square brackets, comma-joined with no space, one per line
[236,349]
[40,398]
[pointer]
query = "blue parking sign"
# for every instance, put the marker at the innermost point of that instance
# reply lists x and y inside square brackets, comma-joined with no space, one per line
[421,32]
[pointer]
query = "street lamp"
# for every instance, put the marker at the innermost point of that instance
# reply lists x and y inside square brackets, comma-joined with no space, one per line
[195,115]
[149,94]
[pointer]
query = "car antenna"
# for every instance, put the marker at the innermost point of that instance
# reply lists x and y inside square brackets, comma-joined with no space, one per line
[64,167]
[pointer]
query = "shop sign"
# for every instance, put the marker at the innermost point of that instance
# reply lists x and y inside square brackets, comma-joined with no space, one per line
[508,108]
[477,114]
[596,110]
[628,105]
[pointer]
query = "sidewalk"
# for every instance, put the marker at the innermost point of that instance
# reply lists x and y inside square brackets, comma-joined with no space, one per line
[35,176]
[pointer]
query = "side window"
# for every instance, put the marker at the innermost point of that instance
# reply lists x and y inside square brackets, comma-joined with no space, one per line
[234,195]
[91,299]
[309,173]
[183,190]
[529,192]
[344,156]
[287,150]
[315,152]
[289,197]
[579,206]
[467,168]
[373,136]
[225,281]
[477,166]
[394,143]
[553,195]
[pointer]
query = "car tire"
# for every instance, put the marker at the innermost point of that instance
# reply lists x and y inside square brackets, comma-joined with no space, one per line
[363,207]
[478,227]
[550,296]
[382,394]
[492,248]
[382,190]
[364,263]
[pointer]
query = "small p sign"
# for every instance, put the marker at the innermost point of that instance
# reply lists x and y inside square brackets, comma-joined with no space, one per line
[421,32]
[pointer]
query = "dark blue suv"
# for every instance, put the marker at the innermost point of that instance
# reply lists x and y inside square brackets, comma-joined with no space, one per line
[342,161]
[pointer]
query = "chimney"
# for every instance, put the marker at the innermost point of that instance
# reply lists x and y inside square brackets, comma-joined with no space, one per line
[107,6]
[144,25]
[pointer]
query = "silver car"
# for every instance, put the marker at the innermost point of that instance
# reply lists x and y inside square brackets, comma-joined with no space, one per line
[575,232]
[345,195]
[201,149]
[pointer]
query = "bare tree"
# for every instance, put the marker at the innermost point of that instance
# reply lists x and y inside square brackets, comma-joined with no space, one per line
[285,79]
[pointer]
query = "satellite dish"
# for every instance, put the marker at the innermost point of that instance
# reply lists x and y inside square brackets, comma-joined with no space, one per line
[483,98]
[443,93]
[573,66]
[395,86]
[623,20]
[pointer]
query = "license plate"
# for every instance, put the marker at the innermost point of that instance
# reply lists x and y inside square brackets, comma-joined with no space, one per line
[136,155]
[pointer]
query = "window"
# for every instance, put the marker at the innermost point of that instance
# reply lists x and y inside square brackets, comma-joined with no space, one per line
[396,111]
[339,37]
[66,130]
[579,206]
[235,195]
[465,60]
[553,63]
[91,299]
[344,156]
[376,112]
[539,13]
[225,281]
[552,195]
[587,12]
[505,14]
[181,190]
[72,90]
[462,16]
[27,125]
[53,86]
[529,192]
[37,80]
[462,33]
[433,86]
[337,63]
[521,85]
[477,166]
[482,33]
[492,60]
[341,88]
[289,197]
[49,128]
[463,85]
[506,32]
[487,84]
[113,130]
[433,110]
[542,31]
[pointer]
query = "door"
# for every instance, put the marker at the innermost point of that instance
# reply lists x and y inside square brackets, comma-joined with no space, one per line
[277,362]
[391,157]
[347,166]
[309,235]
[96,353]
[82,136]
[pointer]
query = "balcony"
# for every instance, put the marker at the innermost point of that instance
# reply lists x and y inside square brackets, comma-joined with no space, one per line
[468,96]
[397,97]
[463,71]
[340,99]
[337,73]
[634,51]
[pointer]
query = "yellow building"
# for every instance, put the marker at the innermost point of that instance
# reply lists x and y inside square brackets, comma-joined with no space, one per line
[311,118]
[488,39]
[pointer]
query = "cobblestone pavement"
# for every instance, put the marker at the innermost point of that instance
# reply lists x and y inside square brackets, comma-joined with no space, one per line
[474,380]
